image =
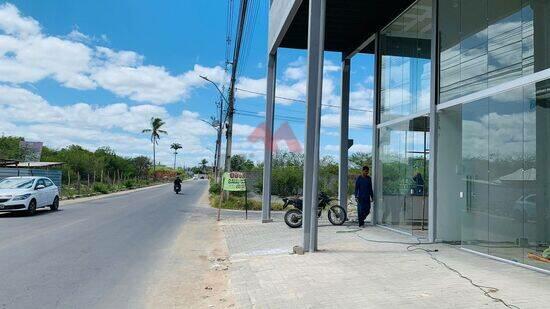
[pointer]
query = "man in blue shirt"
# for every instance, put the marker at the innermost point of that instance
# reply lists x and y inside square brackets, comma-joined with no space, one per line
[363,195]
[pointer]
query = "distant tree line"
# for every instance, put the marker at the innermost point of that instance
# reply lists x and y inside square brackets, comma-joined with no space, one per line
[102,165]
[80,164]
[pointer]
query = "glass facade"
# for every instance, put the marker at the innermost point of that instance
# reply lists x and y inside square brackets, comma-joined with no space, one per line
[405,51]
[406,66]
[493,168]
[493,162]
[492,156]
[484,43]
[403,172]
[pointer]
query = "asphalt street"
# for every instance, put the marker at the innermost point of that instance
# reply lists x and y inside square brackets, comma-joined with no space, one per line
[92,254]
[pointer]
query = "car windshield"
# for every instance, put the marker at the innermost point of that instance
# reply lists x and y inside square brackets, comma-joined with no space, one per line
[16,183]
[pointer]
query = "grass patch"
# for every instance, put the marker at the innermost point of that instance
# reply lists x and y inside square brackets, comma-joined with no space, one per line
[98,188]
[237,203]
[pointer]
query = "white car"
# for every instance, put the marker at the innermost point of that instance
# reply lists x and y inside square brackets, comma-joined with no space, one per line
[28,194]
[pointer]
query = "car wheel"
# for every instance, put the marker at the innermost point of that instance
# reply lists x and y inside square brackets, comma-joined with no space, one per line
[55,205]
[32,208]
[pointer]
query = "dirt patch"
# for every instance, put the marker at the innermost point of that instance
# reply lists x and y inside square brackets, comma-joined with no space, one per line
[196,271]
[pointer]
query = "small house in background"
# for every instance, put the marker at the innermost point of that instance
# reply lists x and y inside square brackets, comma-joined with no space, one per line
[14,168]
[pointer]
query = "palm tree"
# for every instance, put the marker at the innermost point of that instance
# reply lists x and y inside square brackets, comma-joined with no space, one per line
[175,146]
[156,124]
[203,165]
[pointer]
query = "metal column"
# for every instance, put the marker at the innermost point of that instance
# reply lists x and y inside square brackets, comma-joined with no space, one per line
[316,40]
[434,98]
[376,111]
[268,152]
[344,132]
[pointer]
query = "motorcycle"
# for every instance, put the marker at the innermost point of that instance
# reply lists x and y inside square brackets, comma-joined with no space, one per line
[177,188]
[293,217]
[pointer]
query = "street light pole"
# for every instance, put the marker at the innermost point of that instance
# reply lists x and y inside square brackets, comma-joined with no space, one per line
[233,81]
[217,125]
[220,128]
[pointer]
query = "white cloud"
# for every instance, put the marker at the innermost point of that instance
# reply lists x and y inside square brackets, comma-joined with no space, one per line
[27,55]
[11,22]
[78,36]
[116,125]
[332,148]
[143,83]
[360,148]
[356,120]
[242,129]
[354,148]
[36,58]
[295,73]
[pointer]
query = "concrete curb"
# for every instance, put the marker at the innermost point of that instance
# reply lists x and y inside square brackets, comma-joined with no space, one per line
[101,196]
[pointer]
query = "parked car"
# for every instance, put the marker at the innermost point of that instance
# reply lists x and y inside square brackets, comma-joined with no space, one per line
[199,176]
[525,208]
[27,194]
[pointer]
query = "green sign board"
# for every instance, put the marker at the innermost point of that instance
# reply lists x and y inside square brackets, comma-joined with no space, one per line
[234,181]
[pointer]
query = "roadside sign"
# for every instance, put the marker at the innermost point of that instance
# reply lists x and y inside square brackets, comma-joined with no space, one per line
[234,181]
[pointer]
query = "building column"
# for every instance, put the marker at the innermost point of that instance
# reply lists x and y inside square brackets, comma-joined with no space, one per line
[268,140]
[541,13]
[376,181]
[344,134]
[316,40]
[434,98]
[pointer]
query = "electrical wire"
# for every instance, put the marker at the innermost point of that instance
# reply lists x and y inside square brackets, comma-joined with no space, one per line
[411,247]
[300,100]
[248,34]
[485,289]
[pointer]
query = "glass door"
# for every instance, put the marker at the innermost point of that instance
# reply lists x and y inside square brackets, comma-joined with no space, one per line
[417,159]
[475,164]
[403,170]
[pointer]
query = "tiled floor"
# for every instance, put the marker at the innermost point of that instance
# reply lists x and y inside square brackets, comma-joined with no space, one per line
[353,269]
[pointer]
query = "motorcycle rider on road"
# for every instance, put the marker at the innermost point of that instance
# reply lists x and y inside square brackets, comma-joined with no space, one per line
[177,183]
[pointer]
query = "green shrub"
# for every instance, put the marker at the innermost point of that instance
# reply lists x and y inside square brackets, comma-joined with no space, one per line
[214,187]
[287,180]
[238,203]
[101,188]
[129,184]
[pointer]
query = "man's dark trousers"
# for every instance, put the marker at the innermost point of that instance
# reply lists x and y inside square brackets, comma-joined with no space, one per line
[363,210]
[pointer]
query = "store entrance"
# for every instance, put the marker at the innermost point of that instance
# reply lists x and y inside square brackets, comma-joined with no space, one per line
[403,174]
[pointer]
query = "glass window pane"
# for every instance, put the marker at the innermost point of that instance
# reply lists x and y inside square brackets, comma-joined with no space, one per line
[475,152]
[536,175]
[487,42]
[494,169]
[505,126]
[406,65]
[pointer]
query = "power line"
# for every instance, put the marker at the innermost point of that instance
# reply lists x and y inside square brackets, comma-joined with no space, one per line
[288,118]
[263,94]
[301,101]
[231,108]
[250,27]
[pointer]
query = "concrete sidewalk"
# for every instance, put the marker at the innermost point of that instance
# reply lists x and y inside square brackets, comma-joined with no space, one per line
[353,270]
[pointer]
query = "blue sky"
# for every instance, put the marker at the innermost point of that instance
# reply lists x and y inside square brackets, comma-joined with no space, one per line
[94,72]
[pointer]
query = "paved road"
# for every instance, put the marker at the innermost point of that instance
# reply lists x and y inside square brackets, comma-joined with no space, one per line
[94,254]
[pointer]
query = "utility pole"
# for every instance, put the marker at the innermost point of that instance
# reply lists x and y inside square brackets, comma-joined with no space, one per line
[219,142]
[231,108]
[217,124]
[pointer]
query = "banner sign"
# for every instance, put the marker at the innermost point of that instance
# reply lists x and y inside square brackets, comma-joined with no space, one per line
[234,181]
[32,151]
